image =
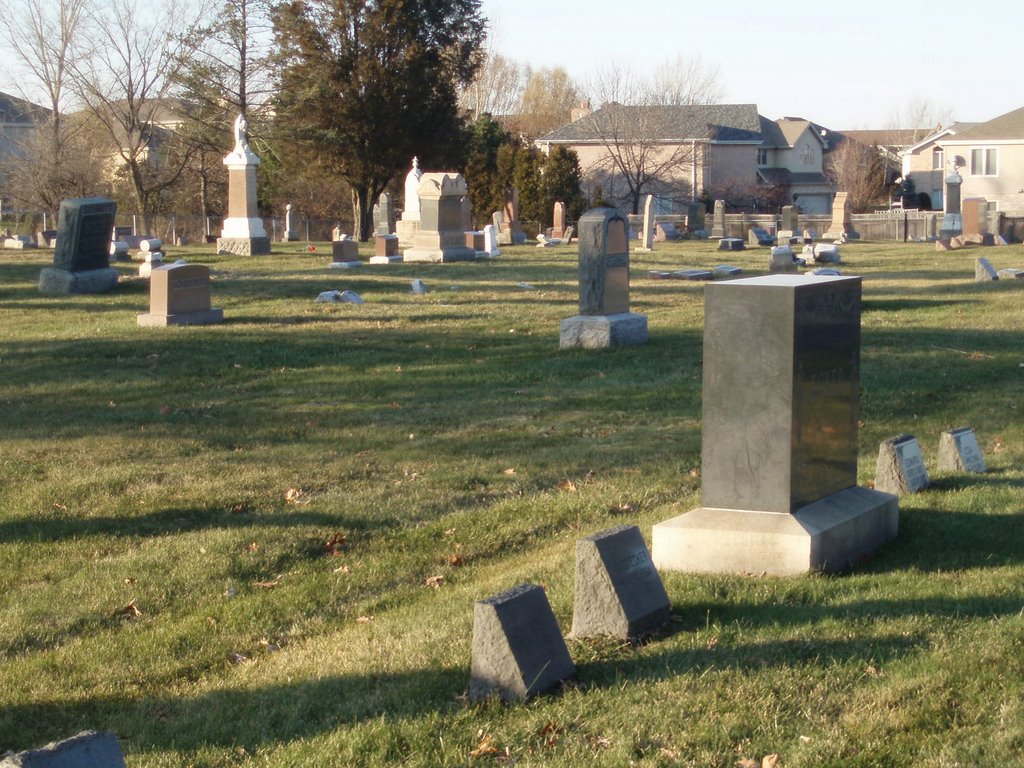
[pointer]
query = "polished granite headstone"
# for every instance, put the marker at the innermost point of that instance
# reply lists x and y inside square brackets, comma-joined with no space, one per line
[959,451]
[441,234]
[618,591]
[779,457]
[518,650]
[81,258]
[604,319]
[179,294]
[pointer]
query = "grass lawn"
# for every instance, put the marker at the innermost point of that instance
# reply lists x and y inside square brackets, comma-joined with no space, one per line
[223,543]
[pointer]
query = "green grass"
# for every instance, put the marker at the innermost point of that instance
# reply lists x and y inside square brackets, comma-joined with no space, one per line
[447,435]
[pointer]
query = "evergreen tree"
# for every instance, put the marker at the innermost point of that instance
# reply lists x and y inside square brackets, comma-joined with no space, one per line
[562,178]
[371,83]
[486,137]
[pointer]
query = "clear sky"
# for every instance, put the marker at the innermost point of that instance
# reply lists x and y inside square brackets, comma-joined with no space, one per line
[852,64]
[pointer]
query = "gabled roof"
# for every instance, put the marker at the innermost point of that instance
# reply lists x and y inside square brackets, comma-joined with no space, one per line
[15,110]
[671,124]
[786,131]
[896,138]
[953,130]
[1008,127]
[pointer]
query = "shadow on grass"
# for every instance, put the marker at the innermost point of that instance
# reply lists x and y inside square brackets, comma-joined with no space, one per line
[172,521]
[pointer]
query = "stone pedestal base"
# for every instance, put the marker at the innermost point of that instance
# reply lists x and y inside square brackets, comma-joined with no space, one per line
[406,231]
[439,255]
[599,331]
[52,280]
[243,246]
[385,259]
[827,535]
[204,317]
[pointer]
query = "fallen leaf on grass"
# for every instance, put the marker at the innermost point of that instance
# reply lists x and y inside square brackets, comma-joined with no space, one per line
[342,569]
[335,544]
[434,581]
[454,560]
[566,485]
[748,762]
[296,496]
[620,509]
[266,584]
[998,447]
[252,547]
[130,580]
[239,508]
[238,658]
[872,671]
[510,471]
[130,611]
[57,505]
[770,761]
[364,619]
[485,748]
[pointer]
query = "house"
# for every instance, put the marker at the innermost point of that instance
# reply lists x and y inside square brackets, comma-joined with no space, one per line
[790,157]
[993,155]
[19,122]
[685,152]
[924,163]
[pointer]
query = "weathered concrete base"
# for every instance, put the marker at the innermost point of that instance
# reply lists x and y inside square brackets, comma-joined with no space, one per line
[206,317]
[385,259]
[1011,274]
[88,749]
[345,264]
[406,232]
[52,280]
[243,246]
[439,256]
[599,331]
[827,535]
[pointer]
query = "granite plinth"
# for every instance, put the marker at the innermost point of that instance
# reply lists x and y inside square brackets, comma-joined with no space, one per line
[600,331]
[53,280]
[959,452]
[1011,274]
[243,246]
[827,535]
[202,317]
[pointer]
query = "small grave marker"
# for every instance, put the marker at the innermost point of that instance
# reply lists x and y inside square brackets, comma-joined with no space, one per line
[1011,274]
[730,244]
[959,451]
[900,469]
[518,650]
[618,591]
[984,272]
[179,294]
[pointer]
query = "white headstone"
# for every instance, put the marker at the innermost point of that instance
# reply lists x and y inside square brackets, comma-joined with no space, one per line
[412,195]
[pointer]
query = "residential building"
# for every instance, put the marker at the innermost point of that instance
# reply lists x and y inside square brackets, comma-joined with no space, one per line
[925,163]
[993,161]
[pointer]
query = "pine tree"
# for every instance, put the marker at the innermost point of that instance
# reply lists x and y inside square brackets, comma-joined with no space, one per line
[371,83]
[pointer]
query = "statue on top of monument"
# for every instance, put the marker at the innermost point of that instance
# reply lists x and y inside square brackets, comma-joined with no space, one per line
[241,134]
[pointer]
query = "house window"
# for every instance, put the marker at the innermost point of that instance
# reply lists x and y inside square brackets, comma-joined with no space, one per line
[762,157]
[937,159]
[984,162]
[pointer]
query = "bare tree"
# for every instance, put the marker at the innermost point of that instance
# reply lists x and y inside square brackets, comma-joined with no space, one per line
[43,38]
[648,146]
[497,88]
[916,120]
[124,81]
[685,80]
[547,101]
[861,171]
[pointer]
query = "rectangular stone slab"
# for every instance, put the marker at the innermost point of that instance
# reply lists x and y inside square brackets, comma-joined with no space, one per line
[518,650]
[618,591]
[84,227]
[828,535]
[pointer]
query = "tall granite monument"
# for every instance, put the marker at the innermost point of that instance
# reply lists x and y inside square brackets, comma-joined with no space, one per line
[779,456]
[243,233]
[81,258]
[604,319]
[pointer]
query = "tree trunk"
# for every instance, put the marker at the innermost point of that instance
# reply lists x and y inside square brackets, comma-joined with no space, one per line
[362,214]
